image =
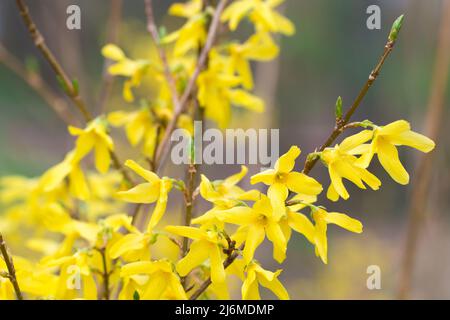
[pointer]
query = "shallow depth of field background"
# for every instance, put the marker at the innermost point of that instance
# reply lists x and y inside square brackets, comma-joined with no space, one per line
[331,54]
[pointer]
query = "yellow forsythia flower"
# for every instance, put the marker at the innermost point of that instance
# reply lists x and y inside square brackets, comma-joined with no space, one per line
[139,126]
[217,92]
[161,282]
[261,13]
[94,137]
[207,244]
[192,35]
[322,218]
[384,143]
[342,163]
[154,190]
[256,276]
[134,69]
[256,223]
[259,47]
[281,179]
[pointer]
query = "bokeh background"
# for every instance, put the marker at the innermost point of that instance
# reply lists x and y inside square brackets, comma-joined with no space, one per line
[331,54]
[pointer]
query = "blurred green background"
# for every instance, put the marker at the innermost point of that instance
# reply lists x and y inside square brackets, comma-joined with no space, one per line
[331,54]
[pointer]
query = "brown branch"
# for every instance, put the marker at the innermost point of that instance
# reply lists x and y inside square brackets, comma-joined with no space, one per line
[69,87]
[422,179]
[35,81]
[342,122]
[188,198]
[105,274]
[230,259]
[164,147]
[39,41]
[10,266]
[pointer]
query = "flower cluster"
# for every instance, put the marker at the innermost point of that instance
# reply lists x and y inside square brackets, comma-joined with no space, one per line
[93,234]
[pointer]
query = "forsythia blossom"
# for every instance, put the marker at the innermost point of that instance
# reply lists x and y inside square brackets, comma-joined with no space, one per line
[95,234]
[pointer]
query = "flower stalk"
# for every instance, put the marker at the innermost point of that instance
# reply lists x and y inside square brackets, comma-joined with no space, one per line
[11,275]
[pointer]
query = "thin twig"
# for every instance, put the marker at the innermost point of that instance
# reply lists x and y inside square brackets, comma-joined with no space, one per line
[39,41]
[189,203]
[164,147]
[37,83]
[105,274]
[10,266]
[422,179]
[342,122]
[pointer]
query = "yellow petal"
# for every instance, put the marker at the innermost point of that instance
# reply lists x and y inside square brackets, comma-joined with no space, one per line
[235,12]
[346,170]
[234,179]
[125,244]
[161,205]
[344,221]
[332,194]
[261,46]
[336,181]
[278,194]
[239,215]
[284,25]
[198,252]
[320,238]
[78,184]
[355,140]
[217,269]
[89,288]
[135,131]
[142,193]
[244,99]
[301,224]
[369,178]
[113,52]
[207,190]
[286,162]
[394,128]
[102,158]
[156,287]
[301,183]
[177,288]
[118,118]
[189,232]
[266,177]
[146,174]
[127,93]
[255,237]
[53,177]
[74,131]
[388,156]
[139,267]
[276,236]
[250,289]
[275,286]
[414,140]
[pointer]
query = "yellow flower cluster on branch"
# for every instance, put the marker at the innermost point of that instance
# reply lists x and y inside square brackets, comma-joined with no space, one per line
[95,234]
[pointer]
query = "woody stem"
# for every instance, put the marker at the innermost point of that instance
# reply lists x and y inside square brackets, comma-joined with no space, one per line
[10,266]
[342,122]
